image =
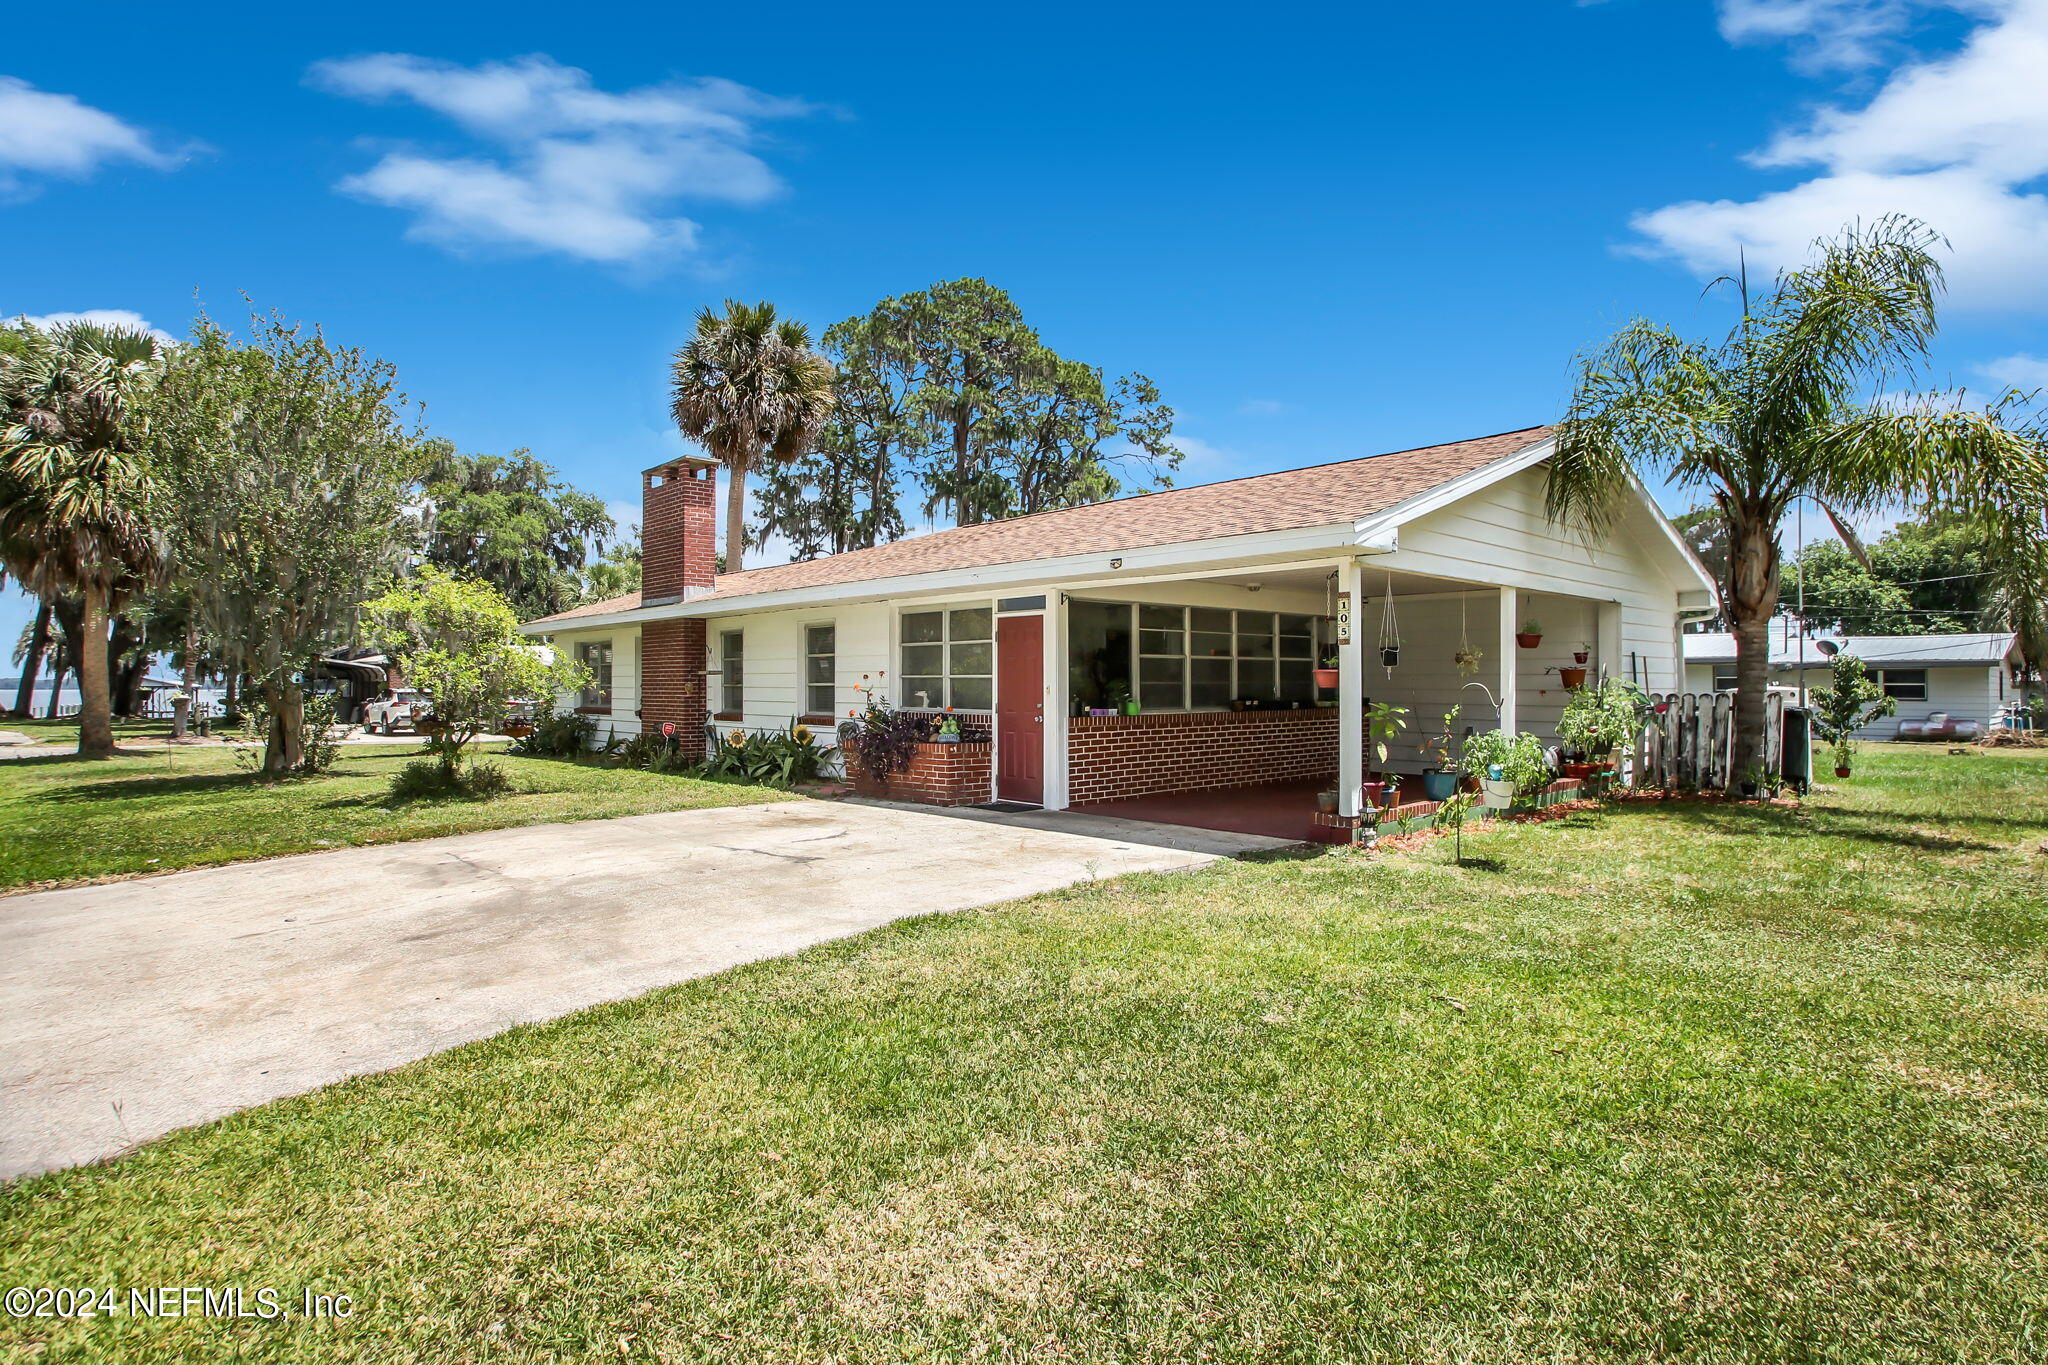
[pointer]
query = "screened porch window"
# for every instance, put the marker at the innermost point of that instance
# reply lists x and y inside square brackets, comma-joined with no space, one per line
[1188,658]
[948,658]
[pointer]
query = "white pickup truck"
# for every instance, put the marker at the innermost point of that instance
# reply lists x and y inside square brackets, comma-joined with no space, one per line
[395,711]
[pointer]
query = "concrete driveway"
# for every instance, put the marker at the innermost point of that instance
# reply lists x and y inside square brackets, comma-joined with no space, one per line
[138,1007]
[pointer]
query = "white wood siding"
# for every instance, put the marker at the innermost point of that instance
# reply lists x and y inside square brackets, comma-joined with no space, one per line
[623,721]
[1501,535]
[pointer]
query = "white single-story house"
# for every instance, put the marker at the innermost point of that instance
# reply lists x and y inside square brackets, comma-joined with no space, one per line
[1966,677]
[1161,643]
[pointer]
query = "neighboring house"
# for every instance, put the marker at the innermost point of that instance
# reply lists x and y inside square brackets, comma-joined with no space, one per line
[1210,606]
[1968,677]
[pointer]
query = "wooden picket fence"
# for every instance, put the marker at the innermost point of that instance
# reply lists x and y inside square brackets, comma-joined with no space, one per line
[1690,744]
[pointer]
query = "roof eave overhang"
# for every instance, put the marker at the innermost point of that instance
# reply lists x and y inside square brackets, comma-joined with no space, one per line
[1209,554]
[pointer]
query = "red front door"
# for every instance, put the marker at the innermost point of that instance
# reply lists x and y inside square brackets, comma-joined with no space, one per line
[1020,708]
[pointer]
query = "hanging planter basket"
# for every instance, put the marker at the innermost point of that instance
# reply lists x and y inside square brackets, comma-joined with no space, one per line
[1390,629]
[1573,678]
[1527,640]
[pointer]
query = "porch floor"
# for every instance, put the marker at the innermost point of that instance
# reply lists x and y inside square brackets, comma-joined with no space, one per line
[1280,810]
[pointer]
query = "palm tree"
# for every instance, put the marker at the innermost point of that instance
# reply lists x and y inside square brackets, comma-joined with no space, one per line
[1779,410]
[749,386]
[72,488]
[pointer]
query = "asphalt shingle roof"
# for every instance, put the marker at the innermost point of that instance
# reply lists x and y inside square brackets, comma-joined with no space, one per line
[1315,496]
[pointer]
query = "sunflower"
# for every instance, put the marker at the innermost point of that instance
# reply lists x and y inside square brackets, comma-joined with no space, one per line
[736,738]
[802,734]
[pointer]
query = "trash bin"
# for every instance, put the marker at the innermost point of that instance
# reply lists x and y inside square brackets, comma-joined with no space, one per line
[1795,749]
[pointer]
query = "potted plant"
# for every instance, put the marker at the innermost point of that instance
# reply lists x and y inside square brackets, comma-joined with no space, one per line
[1509,768]
[1467,660]
[1850,701]
[1597,721]
[949,729]
[1390,654]
[1383,720]
[1327,675]
[1572,678]
[1440,778]
[1582,653]
[1120,699]
[1530,635]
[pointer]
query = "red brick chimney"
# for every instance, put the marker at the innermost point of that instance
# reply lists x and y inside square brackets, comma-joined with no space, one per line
[678,523]
[678,520]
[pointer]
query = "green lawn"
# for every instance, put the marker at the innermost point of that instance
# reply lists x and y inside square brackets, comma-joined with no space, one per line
[65,820]
[1662,1082]
[66,731]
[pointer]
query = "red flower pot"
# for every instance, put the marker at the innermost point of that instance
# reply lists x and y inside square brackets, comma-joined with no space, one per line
[1527,641]
[1841,772]
[1326,677]
[1572,677]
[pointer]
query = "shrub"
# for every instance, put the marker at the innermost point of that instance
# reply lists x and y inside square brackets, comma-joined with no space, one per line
[776,760]
[653,751]
[558,735]
[427,779]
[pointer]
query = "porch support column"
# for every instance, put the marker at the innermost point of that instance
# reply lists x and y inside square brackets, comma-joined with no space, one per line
[1508,662]
[1609,639]
[1351,694]
[1056,700]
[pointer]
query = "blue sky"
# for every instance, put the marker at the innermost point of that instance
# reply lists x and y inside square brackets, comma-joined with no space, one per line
[1324,233]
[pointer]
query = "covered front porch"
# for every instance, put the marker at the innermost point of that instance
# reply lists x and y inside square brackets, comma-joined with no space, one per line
[1206,700]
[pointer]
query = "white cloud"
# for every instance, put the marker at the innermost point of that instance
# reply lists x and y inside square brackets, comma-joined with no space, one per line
[1823,33]
[106,317]
[1959,141]
[566,167]
[2019,371]
[43,133]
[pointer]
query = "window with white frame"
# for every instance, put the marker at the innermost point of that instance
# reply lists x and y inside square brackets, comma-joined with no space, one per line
[1724,677]
[1903,684]
[596,658]
[1190,658]
[821,669]
[732,671]
[948,658]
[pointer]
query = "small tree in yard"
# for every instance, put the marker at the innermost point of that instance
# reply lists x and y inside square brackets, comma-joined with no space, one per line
[1849,702]
[458,641]
[287,478]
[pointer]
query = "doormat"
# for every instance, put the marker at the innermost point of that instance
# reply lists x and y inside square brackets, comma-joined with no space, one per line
[1009,806]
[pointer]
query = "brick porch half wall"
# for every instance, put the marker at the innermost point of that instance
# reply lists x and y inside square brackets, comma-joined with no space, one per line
[1111,758]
